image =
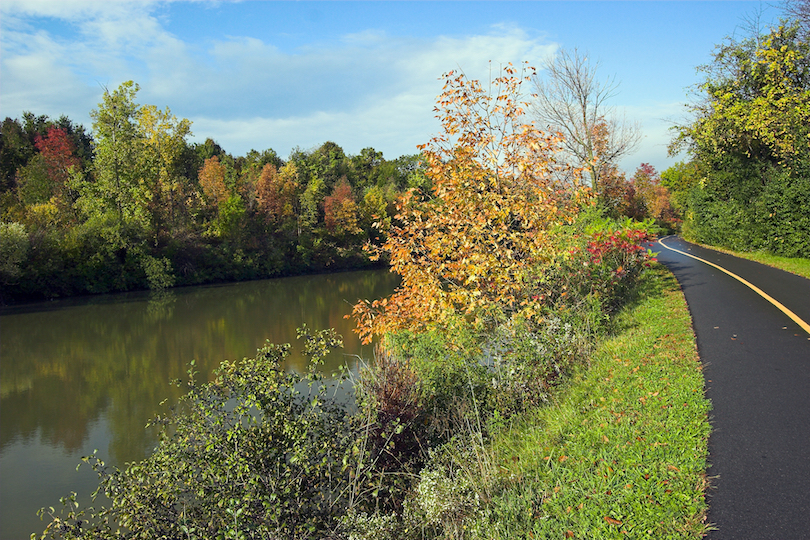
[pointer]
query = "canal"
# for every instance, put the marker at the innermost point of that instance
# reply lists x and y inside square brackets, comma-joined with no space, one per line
[83,374]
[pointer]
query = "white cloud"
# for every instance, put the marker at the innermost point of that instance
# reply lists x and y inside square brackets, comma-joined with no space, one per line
[363,89]
[50,70]
[373,90]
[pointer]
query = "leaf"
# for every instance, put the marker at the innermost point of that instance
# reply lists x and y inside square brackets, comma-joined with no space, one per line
[612,521]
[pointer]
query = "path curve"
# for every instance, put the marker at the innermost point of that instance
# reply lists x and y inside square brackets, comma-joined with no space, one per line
[757,372]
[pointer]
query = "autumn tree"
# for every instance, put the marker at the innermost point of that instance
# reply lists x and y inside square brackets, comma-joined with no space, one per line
[43,184]
[34,160]
[212,181]
[572,101]
[651,197]
[341,211]
[465,247]
[616,195]
[276,194]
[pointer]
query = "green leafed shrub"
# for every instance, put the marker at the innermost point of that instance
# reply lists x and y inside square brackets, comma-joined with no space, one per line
[158,272]
[256,453]
[13,251]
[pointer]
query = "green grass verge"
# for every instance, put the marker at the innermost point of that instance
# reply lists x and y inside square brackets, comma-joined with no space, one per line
[621,453]
[795,265]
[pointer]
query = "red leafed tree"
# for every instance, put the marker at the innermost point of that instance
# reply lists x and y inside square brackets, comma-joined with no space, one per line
[57,151]
[654,197]
[466,248]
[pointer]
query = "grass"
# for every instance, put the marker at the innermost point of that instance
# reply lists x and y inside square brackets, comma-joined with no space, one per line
[795,265]
[621,453]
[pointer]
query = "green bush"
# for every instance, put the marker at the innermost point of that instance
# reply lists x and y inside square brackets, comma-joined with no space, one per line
[14,247]
[158,272]
[783,215]
[256,453]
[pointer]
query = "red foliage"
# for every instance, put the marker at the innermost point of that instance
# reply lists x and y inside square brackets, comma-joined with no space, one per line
[57,152]
[604,266]
[626,243]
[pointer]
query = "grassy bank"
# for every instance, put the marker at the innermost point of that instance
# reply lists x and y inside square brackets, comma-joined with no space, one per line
[795,265]
[621,451]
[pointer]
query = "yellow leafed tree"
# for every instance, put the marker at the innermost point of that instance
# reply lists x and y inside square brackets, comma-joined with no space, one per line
[466,247]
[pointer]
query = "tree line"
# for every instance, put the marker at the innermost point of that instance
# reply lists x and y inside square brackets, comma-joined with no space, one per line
[136,205]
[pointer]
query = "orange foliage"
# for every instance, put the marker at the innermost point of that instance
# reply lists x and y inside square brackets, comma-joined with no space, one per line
[655,197]
[341,211]
[466,248]
[275,192]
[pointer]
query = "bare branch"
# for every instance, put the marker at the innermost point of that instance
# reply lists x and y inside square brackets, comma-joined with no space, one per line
[800,11]
[572,101]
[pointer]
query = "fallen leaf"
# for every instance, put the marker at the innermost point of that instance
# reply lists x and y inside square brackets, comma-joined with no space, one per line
[612,521]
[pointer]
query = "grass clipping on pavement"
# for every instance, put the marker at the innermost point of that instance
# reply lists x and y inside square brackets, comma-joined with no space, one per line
[621,453]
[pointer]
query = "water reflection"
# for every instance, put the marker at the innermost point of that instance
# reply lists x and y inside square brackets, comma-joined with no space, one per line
[71,370]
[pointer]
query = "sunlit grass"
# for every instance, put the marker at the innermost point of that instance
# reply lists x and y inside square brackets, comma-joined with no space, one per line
[622,451]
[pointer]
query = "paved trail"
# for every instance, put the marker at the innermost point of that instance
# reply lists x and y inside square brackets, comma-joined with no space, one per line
[758,380]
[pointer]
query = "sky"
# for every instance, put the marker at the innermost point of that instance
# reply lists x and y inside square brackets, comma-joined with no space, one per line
[287,75]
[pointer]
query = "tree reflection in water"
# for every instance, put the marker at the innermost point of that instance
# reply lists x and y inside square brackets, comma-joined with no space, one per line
[70,364]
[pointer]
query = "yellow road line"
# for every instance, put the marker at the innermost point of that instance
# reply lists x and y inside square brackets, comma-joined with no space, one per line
[795,318]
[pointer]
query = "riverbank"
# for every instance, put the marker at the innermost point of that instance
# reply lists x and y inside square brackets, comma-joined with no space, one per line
[582,417]
[621,450]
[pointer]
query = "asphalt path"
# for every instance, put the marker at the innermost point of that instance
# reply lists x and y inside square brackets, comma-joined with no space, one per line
[757,375]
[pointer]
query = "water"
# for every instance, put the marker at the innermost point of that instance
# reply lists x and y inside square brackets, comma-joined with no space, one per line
[79,375]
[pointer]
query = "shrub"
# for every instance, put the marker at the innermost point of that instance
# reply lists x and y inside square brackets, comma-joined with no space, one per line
[256,453]
[599,270]
[158,272]
[13,251]
[529,358]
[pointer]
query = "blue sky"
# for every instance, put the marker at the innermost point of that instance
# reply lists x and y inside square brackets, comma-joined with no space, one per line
[296,74]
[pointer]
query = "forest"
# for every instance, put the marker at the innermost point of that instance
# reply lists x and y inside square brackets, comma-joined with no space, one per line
[136,206]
